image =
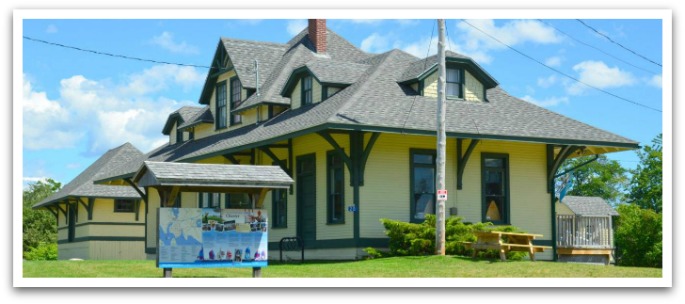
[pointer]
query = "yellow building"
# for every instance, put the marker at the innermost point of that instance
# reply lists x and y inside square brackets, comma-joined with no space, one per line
[356,131]
[99,222]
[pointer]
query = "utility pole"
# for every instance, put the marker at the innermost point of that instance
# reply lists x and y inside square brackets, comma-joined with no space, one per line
[441,193]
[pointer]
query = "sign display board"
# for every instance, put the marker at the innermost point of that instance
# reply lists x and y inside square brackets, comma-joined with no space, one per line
[211,237]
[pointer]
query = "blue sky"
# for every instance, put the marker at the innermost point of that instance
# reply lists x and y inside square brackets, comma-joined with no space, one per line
[77,105]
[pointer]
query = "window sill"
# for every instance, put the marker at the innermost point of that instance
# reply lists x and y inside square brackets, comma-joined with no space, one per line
[454,98]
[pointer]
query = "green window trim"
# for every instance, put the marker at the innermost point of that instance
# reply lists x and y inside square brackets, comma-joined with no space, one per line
[236,100]
[335,188]
[220,111]
[496,197]
[279,202]
[422,163]
[307,96]
[124,206]
[179,136]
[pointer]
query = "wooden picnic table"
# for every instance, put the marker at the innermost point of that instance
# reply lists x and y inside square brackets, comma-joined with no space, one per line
[506,241]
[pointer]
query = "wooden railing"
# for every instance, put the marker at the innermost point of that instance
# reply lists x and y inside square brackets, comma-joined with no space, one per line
[584,232]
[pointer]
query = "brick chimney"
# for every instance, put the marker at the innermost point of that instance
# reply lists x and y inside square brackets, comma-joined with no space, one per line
[317,34]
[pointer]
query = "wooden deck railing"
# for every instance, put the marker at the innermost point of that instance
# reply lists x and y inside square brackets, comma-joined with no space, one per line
[584,232]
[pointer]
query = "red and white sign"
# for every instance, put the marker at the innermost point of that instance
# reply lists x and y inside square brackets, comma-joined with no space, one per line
[442,195]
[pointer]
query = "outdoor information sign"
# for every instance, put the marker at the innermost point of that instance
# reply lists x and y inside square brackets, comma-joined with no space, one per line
[211,237]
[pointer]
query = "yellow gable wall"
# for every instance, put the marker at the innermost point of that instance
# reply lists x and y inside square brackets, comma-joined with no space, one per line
[296,96]
[248,117]
[563,209]
[473,89]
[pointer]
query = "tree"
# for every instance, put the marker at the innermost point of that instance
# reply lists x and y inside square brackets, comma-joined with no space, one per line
[39,226]
[603,177]
[646,183]
[638,237]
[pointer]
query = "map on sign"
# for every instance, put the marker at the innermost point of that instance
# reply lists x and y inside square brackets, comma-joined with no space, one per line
[212,237]
[180,234]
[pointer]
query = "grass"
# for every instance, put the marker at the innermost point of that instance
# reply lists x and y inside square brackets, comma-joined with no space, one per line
[395,267]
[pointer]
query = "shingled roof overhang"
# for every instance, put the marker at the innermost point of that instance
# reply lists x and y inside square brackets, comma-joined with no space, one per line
[212,177]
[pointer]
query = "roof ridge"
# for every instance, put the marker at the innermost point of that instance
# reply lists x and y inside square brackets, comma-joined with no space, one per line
[247,41]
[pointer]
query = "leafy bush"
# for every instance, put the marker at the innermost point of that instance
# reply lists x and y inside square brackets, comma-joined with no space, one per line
[410,239]
[43,252]
[638,237]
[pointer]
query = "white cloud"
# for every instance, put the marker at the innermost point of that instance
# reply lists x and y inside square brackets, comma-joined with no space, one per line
[554,61]
[51,29]
[34,179]
[375,43]
[294,27]
[104,114]
[549,102]
[548,81]
[166,41]
[476,44]
[366,21]
[599,75]
[655,81]
[44,121]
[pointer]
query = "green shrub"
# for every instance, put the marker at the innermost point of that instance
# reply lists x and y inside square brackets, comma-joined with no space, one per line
[373,253]
[417,239]
[44,252]
[638,237]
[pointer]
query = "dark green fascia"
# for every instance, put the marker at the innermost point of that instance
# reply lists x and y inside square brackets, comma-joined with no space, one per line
[348,127]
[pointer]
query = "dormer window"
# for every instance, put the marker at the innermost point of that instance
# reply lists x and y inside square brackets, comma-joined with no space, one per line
[179,136]
[307,97]
[454,83]
[221,111]
[236,98]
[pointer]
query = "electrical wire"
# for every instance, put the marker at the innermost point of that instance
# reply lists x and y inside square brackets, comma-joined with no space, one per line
[110,54]
[598,49]
[560,72]
[614,42]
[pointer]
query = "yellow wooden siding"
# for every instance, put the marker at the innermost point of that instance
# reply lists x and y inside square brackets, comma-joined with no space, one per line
[386,190]
[204,130]
[151,218]
[103,211]
[189,200]
[332,91]
[295,97]
[172,135]
[117,250]
[530,207]
[430,85]
[316,144]
[563,209]
[473,89]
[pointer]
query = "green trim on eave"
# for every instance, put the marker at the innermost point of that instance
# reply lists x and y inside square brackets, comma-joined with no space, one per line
[339,126]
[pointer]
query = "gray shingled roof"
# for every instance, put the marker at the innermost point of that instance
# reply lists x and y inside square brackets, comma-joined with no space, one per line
[333,71]
[211,175]
[589,206]
[83,186]
[243,53]
[377,101]
[181,115]
[204,115]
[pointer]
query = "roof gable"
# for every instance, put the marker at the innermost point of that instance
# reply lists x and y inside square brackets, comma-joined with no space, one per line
[83,186]
[179,117]
[420,69]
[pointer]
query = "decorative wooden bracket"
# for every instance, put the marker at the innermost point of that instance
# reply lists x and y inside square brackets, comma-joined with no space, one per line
[359,154]
[554,162]
[463,159]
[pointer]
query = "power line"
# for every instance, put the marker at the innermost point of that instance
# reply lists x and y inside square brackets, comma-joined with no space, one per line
[110,54]
[608,38]
[425,61]
[560,72]
[596,48]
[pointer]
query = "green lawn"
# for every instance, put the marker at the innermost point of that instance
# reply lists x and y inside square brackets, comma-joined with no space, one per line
[396,267]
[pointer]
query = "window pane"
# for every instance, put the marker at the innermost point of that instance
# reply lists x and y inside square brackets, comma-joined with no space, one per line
[424,159]
[453,89]
[239,201]
[424,205]
[494,162]
[495,208]
[424,180]
[452,75]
